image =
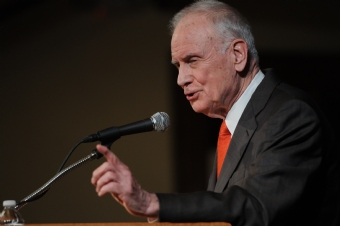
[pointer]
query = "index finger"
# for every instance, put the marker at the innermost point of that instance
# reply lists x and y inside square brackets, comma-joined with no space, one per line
[107,166]
[105,152]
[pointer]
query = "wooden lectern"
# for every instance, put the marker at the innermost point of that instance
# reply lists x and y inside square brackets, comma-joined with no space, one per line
[136,224]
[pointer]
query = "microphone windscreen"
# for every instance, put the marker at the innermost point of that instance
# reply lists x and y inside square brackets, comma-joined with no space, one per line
[161,121]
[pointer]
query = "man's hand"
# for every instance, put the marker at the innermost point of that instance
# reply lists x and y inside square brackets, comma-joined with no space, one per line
[115,177]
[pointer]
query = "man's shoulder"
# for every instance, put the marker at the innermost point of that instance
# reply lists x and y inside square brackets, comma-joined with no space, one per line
[284,91]
[273,91]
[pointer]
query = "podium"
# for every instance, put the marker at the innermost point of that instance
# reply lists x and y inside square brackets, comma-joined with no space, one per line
[136,224]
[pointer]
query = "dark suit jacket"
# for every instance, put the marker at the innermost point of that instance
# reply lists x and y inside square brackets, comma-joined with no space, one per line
[276,169]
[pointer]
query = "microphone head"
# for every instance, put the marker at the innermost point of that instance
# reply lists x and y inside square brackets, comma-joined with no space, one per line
[161,121]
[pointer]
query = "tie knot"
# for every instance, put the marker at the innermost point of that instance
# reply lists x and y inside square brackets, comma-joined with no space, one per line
[224,129]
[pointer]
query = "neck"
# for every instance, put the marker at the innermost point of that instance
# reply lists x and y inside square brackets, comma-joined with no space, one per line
[246,79]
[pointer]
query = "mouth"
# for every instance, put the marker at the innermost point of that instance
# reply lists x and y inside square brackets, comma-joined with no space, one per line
[191,96]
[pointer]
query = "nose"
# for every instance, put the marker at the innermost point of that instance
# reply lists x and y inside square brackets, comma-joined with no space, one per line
[184,77]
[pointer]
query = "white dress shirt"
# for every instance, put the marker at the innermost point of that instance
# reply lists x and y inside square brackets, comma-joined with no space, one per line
[237,109]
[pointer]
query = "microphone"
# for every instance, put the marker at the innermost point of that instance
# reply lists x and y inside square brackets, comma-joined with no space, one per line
[158,122]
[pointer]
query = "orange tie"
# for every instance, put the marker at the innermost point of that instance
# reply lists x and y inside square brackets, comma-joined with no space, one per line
[223,142]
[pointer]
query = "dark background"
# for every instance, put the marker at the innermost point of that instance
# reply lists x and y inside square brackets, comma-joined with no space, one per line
[71,68]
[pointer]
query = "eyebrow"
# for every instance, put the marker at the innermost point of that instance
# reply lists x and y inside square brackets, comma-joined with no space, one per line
[174,62]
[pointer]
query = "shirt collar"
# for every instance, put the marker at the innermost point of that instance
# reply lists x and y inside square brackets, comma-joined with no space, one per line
[237,109]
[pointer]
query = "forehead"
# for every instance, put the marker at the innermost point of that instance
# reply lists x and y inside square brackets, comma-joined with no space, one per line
[194,31]
[192,21]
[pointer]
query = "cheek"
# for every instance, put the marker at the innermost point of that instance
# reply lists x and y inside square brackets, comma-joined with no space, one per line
[215,88]
[213,79]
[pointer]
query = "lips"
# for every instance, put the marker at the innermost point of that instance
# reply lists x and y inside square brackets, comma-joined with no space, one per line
[191,96]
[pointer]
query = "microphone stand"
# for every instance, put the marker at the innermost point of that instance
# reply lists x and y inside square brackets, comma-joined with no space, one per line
[39,192]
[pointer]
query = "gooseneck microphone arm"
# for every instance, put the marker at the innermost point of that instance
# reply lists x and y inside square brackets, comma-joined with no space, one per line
[94,155]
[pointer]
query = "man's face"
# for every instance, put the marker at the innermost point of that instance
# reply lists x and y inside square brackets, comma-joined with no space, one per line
[205,70]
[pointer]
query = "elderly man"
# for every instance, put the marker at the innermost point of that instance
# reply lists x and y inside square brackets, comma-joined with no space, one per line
[274,144]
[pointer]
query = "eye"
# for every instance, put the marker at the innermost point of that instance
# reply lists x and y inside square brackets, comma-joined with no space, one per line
[192,60]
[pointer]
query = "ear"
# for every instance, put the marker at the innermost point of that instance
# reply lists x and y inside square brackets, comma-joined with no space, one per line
[239,52]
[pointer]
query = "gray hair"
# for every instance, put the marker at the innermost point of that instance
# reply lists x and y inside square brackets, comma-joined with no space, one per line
[227,21]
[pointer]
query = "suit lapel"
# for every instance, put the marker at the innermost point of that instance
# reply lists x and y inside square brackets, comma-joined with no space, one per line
[212,179]
[238,144]
[244,131]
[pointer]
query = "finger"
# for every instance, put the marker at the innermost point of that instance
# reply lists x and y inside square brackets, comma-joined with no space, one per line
[112,158]
[106,152]
[106,178]
[108,188]
[101,170]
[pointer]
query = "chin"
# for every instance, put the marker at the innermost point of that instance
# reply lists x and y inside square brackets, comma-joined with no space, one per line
[206,111]
[200,109]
